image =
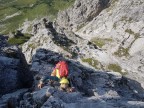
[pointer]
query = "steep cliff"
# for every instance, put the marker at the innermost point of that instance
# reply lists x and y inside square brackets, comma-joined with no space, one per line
[102,41]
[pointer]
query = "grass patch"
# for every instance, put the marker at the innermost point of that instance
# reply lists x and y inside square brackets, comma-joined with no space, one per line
[124,18]
[63,4]
[7,11]
[91,62]
[80,26]
[25,2]
[101,42]
[33,46]
[37,12]
[19,40]
[129,31]
[122,52]
[115,68]
[30,9]
[136,35]
[125,51]
[114,25]
[12,24]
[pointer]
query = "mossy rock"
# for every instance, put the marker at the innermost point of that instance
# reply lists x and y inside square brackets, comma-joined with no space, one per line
[101,42]
[32,45]
[19,40]
[122,52]
[91,62]
[127,19]
[115,68]
[136,35]
[80,26]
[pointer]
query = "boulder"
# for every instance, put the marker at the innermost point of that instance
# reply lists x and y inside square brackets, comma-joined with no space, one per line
[80,13]
[11,100]
[14,70]
[42,95]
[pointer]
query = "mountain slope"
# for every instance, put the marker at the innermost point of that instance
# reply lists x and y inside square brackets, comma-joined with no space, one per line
[102,42]
[14,12]
[122,23]
[108,35]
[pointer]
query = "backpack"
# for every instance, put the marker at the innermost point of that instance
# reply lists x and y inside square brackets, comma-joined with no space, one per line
[63,68]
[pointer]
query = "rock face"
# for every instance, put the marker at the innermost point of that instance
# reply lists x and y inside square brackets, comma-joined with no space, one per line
[103,89]
[14,71]
[81,13]
[122,24]
[48,35]
[106,34]
[12,100]
[111,40]
[92,35]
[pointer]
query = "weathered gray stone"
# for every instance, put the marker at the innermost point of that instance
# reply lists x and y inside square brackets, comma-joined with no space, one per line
[81,12]
[14,71]
[12,99]
[41,95]
[104,32]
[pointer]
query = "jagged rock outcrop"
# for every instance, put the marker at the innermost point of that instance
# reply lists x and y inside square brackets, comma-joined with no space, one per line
[14,71]
[12,100]
[106,34]
[80,13]
[119,31]
[65,42]
[103,89]
[111,40]
[43,38]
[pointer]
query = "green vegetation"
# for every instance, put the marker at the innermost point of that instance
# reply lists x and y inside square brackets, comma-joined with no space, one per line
[28,9]
[115,68]
[128,19]
[80,26]
[114,25]
[122,52]
[7,11]
[125,51]
[129,31]
[94,63]
[25,2]
[33,45]
[19,39]
[132,33]
[91,62]
[101,42]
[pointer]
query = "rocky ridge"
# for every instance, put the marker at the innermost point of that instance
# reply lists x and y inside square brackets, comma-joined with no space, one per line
[117,25]
[109,41]
[93,88]
[14,71]
[120,30]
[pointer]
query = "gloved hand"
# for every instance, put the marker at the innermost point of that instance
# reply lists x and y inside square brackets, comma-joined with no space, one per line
[40,85]
[72,89]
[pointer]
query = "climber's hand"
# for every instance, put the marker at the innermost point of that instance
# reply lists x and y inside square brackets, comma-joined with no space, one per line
[71,89]
[40,85]
[51,82]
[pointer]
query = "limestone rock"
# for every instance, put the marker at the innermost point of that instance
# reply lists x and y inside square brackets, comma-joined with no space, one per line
[12,99]
[14,71]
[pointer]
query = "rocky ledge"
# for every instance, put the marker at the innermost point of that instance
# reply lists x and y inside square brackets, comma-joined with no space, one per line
[93,88]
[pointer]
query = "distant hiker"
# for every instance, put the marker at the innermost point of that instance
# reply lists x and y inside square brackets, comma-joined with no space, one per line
[59,74]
